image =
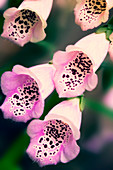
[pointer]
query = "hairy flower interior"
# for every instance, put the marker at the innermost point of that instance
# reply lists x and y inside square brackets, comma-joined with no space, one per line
[25,98]
[75,71]
[55,133]
[21,25]
[91,10]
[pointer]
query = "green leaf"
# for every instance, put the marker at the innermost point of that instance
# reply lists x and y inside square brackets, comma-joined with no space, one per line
[108,33]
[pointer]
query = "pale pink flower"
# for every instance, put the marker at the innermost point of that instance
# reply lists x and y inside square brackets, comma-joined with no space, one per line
[25,90]
[2,3]
[27,22]
[108,98]
[91,13]
[75,68]
[111,47]
[54,139]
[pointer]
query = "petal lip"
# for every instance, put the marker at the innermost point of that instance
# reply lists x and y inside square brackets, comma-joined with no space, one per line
[70,151]
[19,69]
[92,82]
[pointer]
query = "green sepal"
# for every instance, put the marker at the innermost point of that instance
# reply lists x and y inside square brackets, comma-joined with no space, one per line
[101,30]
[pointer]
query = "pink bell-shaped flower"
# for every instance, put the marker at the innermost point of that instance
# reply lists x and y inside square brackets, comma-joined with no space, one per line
[27,22]
[25,90]
[54,139]
[75,68]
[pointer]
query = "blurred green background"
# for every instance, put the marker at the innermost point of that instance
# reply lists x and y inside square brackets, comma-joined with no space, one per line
[96,140]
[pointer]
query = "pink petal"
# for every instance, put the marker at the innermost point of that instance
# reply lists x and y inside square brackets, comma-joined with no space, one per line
[61,57]
[110,4]
[10,12]
[34,127]
[73,68]
[61,88]
[38,33]
[69,112]
[45,73]
[33,149]
[92,82]
[87,15]
[39,73]
[41,7]
[70,151]
[23,100]
[108,99]
[111,50]
[13,81]
[18,69]
[95,46]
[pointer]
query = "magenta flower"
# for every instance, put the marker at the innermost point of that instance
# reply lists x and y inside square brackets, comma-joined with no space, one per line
[25,90]
[54,139]
[27,23]
[111,47]
[75,68]
[91,13]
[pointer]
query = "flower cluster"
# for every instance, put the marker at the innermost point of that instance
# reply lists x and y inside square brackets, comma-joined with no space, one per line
[71,72]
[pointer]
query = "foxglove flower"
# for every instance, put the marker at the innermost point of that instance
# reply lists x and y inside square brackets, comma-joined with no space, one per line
[108,98]
[91,13]
[2,3]
[75,68]
[54,139]
[111,47]
[25,90]
[27,23]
